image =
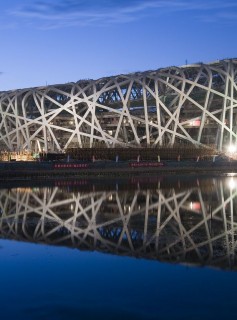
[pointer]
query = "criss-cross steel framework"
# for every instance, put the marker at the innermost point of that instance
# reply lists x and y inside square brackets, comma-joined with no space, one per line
[188,226]
[195,104]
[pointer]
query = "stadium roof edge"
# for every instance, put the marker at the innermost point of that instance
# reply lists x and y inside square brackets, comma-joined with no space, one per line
[216,62]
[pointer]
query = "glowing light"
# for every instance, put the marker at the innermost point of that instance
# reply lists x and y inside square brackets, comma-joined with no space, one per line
[231,148]
[232,183]
[196,206]
[195,123]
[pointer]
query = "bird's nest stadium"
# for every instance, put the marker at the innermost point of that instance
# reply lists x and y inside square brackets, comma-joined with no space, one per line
[192,104]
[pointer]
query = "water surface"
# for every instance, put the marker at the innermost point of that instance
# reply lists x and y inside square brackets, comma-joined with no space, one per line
[144,248]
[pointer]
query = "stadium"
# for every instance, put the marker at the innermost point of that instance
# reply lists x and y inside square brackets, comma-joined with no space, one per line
[193,105]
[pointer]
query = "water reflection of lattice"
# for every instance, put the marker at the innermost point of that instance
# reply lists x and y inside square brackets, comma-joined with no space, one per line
[188,226]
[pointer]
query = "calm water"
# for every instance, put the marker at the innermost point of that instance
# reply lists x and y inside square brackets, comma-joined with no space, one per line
[151,248]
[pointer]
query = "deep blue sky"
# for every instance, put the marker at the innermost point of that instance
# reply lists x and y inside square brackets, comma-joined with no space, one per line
[58,41]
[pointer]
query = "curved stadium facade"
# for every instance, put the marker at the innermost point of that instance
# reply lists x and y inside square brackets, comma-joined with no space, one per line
[194,104]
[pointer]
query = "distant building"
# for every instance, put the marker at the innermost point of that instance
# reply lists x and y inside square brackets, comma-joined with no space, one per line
[194,104]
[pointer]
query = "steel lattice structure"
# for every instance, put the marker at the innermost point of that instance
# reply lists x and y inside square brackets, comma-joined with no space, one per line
[189,226]
[194,104]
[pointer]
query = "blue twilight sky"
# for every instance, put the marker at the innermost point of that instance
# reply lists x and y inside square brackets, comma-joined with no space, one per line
[57,41]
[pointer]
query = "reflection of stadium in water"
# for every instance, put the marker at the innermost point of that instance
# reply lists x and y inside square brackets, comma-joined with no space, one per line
[194,225]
